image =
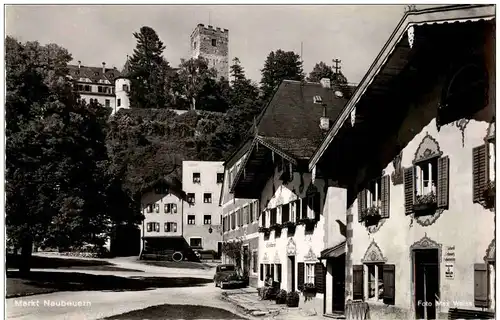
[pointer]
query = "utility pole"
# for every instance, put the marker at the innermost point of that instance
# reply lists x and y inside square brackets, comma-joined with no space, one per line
[301,49]
[337,67]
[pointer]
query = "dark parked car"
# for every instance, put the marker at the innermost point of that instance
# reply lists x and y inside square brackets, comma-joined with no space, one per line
[227,276]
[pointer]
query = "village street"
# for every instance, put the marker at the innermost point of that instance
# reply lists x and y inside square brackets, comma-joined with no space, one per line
[102,304]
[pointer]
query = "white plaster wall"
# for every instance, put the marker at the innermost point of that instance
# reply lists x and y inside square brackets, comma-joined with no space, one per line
[100,98]
[161,217]
[274,250]
[121,94]
[467,226]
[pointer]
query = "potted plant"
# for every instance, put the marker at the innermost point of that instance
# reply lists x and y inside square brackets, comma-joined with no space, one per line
[372,215]
[425,204]
[309,291]
[489,195]
[288,224]
[275,227]
[281,297]
[292,299]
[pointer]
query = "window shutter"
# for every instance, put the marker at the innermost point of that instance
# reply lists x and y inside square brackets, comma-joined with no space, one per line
[361,204]
[481,285]
[261,272]
[304,207]
[278,266]
[386,186]
[389,274]
[409,187]
[300,276]
[357,279]
[443,182]
[479,172]
[319,277]
[285,213]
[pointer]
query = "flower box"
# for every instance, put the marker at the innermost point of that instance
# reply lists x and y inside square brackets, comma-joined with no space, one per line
[489,195]
[372,215]
[309,291]
[425,204]
[289,225]
[264,230]
[275,226]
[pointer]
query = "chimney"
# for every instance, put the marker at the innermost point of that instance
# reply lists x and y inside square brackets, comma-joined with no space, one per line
[103,67]
[324,121]
[79,64]
[325,82]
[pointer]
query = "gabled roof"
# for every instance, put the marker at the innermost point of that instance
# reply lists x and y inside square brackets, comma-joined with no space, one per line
[389,55]
[93,73]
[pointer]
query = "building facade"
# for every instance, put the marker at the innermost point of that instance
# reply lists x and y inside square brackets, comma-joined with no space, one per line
[291,199]
[419,195]
[240,223]
[202,183]
[212,44]
[107,86]
[162,228]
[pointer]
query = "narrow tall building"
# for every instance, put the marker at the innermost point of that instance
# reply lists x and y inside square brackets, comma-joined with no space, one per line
[212,44]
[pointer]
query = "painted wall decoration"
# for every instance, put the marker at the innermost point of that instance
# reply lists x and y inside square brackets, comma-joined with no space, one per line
[426,243]
[373,254]
[397,174]
[291,248]
[310,256]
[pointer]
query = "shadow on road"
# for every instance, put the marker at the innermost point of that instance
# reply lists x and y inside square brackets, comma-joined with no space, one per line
[172,311]
[43,282]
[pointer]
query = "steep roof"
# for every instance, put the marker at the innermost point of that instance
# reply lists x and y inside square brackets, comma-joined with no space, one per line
[291,120]
[93,73]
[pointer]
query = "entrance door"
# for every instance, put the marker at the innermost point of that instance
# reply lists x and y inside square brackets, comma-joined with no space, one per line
[426,277]
[291,273]
[338,284]
[219,250]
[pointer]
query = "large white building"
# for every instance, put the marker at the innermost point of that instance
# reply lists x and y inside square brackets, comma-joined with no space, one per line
[107,86]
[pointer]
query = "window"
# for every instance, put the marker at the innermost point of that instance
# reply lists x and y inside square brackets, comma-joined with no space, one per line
[214,42]
[170,208]
[191,219]
[194,45]
[207,219]
[374,200]
[233,220]
[195,242]
[273,217]
[278,272]
[207,198]
[118,102]
[196,177]
[426,178]
[255,261]
[100,89]
[251,214]
[309,273]
[285,213]
[375,282]
[191,198]
[125,88]
[264,222]
[238,217]
[87,88]
[107,103]
[157,208]
[153,227]
[170,227]
[220,177]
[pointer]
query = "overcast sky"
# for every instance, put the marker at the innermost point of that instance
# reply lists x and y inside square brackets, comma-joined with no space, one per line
[352,33]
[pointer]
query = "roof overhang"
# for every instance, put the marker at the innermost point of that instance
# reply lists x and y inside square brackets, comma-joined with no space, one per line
[333,252]
[256,167]
[404,30]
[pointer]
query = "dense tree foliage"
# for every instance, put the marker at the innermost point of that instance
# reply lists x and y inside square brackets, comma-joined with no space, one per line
[148,71]
[280,65]
[58,186]
[322,70]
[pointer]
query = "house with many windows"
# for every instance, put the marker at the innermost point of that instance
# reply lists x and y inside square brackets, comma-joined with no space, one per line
[240,222]
[274,171]
[202,183]
[412,158]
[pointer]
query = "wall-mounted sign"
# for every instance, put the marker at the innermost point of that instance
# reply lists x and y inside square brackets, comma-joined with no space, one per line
[449,271]
[270,244]
[449,255]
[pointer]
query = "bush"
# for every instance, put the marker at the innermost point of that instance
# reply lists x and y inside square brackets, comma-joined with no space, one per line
[281,297]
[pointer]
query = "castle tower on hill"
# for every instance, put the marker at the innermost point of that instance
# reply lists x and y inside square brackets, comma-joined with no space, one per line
[212,44]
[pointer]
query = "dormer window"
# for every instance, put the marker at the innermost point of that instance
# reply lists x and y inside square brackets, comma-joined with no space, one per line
[317,99]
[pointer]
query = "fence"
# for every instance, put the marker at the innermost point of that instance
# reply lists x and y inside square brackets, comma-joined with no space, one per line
[357,310]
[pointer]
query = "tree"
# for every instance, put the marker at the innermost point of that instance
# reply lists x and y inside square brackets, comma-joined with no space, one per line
[279,66]
[148,71]
[322,70]
[56,166]
[242,88]
[193,76]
